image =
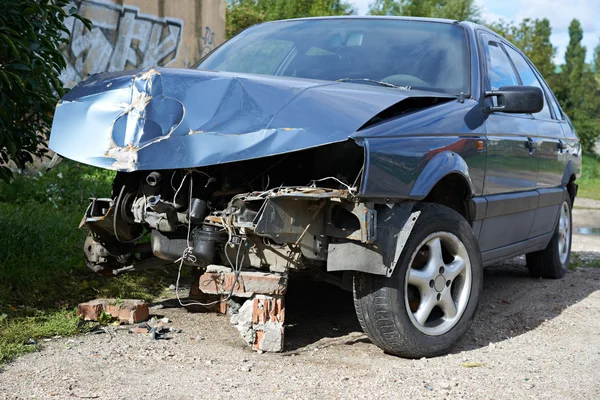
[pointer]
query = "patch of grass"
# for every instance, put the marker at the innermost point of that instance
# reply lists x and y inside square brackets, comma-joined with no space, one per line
[589,183]
[579,261]
[574,262]
[42,273]
[15,333]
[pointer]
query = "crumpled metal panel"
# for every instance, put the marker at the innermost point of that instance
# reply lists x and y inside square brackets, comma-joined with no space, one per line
[162,118]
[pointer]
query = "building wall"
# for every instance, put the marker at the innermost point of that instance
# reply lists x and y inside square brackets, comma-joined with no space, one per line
[130,34]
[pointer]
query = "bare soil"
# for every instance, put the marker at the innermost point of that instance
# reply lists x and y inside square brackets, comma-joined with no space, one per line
[531,338]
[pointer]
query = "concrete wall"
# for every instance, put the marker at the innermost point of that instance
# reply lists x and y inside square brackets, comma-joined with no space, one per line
[130,34]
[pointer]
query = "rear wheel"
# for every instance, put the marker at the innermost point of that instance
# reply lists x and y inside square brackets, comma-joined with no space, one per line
[429,302]
[553,261]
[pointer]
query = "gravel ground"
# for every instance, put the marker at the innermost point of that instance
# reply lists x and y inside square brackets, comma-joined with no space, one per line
[531,338]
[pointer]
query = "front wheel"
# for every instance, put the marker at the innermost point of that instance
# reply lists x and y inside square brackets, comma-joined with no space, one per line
[429,302]
[553,261]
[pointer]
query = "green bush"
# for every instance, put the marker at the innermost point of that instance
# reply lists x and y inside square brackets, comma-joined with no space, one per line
[31,33]
[66,185]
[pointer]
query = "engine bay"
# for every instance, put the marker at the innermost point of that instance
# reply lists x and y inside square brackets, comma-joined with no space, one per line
[273,214]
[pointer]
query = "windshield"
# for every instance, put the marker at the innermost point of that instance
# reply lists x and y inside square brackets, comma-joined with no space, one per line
[418,54]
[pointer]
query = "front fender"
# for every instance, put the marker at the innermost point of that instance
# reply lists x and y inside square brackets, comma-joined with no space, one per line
[441,165]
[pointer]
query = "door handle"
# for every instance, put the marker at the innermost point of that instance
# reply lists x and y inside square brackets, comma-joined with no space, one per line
[530,145]
[560,146]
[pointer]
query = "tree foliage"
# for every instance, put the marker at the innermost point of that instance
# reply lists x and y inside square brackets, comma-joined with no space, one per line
[31,32]
[451,9]
[242,14]
[579,90]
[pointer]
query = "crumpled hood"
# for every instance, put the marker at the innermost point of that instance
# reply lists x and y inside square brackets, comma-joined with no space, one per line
[163,118]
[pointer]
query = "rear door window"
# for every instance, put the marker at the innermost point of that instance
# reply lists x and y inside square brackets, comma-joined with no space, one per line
[528,78]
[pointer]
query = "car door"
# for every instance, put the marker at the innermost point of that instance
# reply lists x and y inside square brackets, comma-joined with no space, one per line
[552,159]
[512,159]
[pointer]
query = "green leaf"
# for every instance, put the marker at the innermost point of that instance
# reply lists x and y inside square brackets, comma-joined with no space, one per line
[11,45]
[29,11]
[17,79]
[20,67]
[6,79]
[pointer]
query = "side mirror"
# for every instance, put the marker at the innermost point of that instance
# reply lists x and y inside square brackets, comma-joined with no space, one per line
[517,99]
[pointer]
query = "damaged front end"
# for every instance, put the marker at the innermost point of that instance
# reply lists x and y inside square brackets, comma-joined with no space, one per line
[244,171]
[269,214]
[275,214]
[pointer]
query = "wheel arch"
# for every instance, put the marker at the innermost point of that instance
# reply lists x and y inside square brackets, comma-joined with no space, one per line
[446,180]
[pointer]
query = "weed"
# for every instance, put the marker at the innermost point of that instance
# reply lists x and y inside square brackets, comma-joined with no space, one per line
[104,318]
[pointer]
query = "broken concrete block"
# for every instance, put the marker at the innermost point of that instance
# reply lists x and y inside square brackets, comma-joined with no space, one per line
[260,322]
[128,311]
[243,321]
[91,310]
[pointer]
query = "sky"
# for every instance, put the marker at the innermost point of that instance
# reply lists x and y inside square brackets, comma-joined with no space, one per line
[559,12]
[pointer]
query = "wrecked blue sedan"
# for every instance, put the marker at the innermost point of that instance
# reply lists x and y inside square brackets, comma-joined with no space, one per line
[394,157]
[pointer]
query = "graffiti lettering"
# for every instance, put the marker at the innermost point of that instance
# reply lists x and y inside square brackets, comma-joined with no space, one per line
[121,38]
[206,44]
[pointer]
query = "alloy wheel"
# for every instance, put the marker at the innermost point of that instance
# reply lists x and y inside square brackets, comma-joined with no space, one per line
[438,283]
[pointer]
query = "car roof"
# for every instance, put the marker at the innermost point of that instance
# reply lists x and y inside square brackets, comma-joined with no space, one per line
[472,26]
[447,21]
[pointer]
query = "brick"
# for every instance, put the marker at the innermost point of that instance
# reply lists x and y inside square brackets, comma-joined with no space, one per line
[268,315]
[260,322]
[249,283]
[129,311]
[201,297]
[91,310]
[266,308]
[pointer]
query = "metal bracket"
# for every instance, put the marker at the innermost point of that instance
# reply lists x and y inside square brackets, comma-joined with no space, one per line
[402,237]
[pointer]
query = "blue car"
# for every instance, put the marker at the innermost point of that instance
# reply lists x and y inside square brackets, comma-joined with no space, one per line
[395,157]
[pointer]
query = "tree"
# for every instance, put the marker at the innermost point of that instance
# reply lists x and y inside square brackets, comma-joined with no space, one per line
[597,63]
[451,9]
[572,74]
[242,14]
[579,92]
[31,32]
[386,7]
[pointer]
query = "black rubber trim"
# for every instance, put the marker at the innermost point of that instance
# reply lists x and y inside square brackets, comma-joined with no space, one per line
[551,196]
[534,244]
[511,203]
[479,205]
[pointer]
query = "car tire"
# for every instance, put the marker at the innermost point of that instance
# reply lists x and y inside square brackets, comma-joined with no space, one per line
[553,261]
[388,308]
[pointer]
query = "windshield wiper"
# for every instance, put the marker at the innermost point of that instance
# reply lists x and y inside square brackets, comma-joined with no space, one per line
[382,83]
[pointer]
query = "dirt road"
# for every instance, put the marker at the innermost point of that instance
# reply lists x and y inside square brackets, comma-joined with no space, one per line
[531,338]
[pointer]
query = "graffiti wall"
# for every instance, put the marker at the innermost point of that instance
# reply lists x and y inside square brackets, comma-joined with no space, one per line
[141,33]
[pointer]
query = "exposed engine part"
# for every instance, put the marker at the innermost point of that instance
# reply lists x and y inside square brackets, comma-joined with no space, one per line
[198,210]
[153,178]
[204,242]
[242,215]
